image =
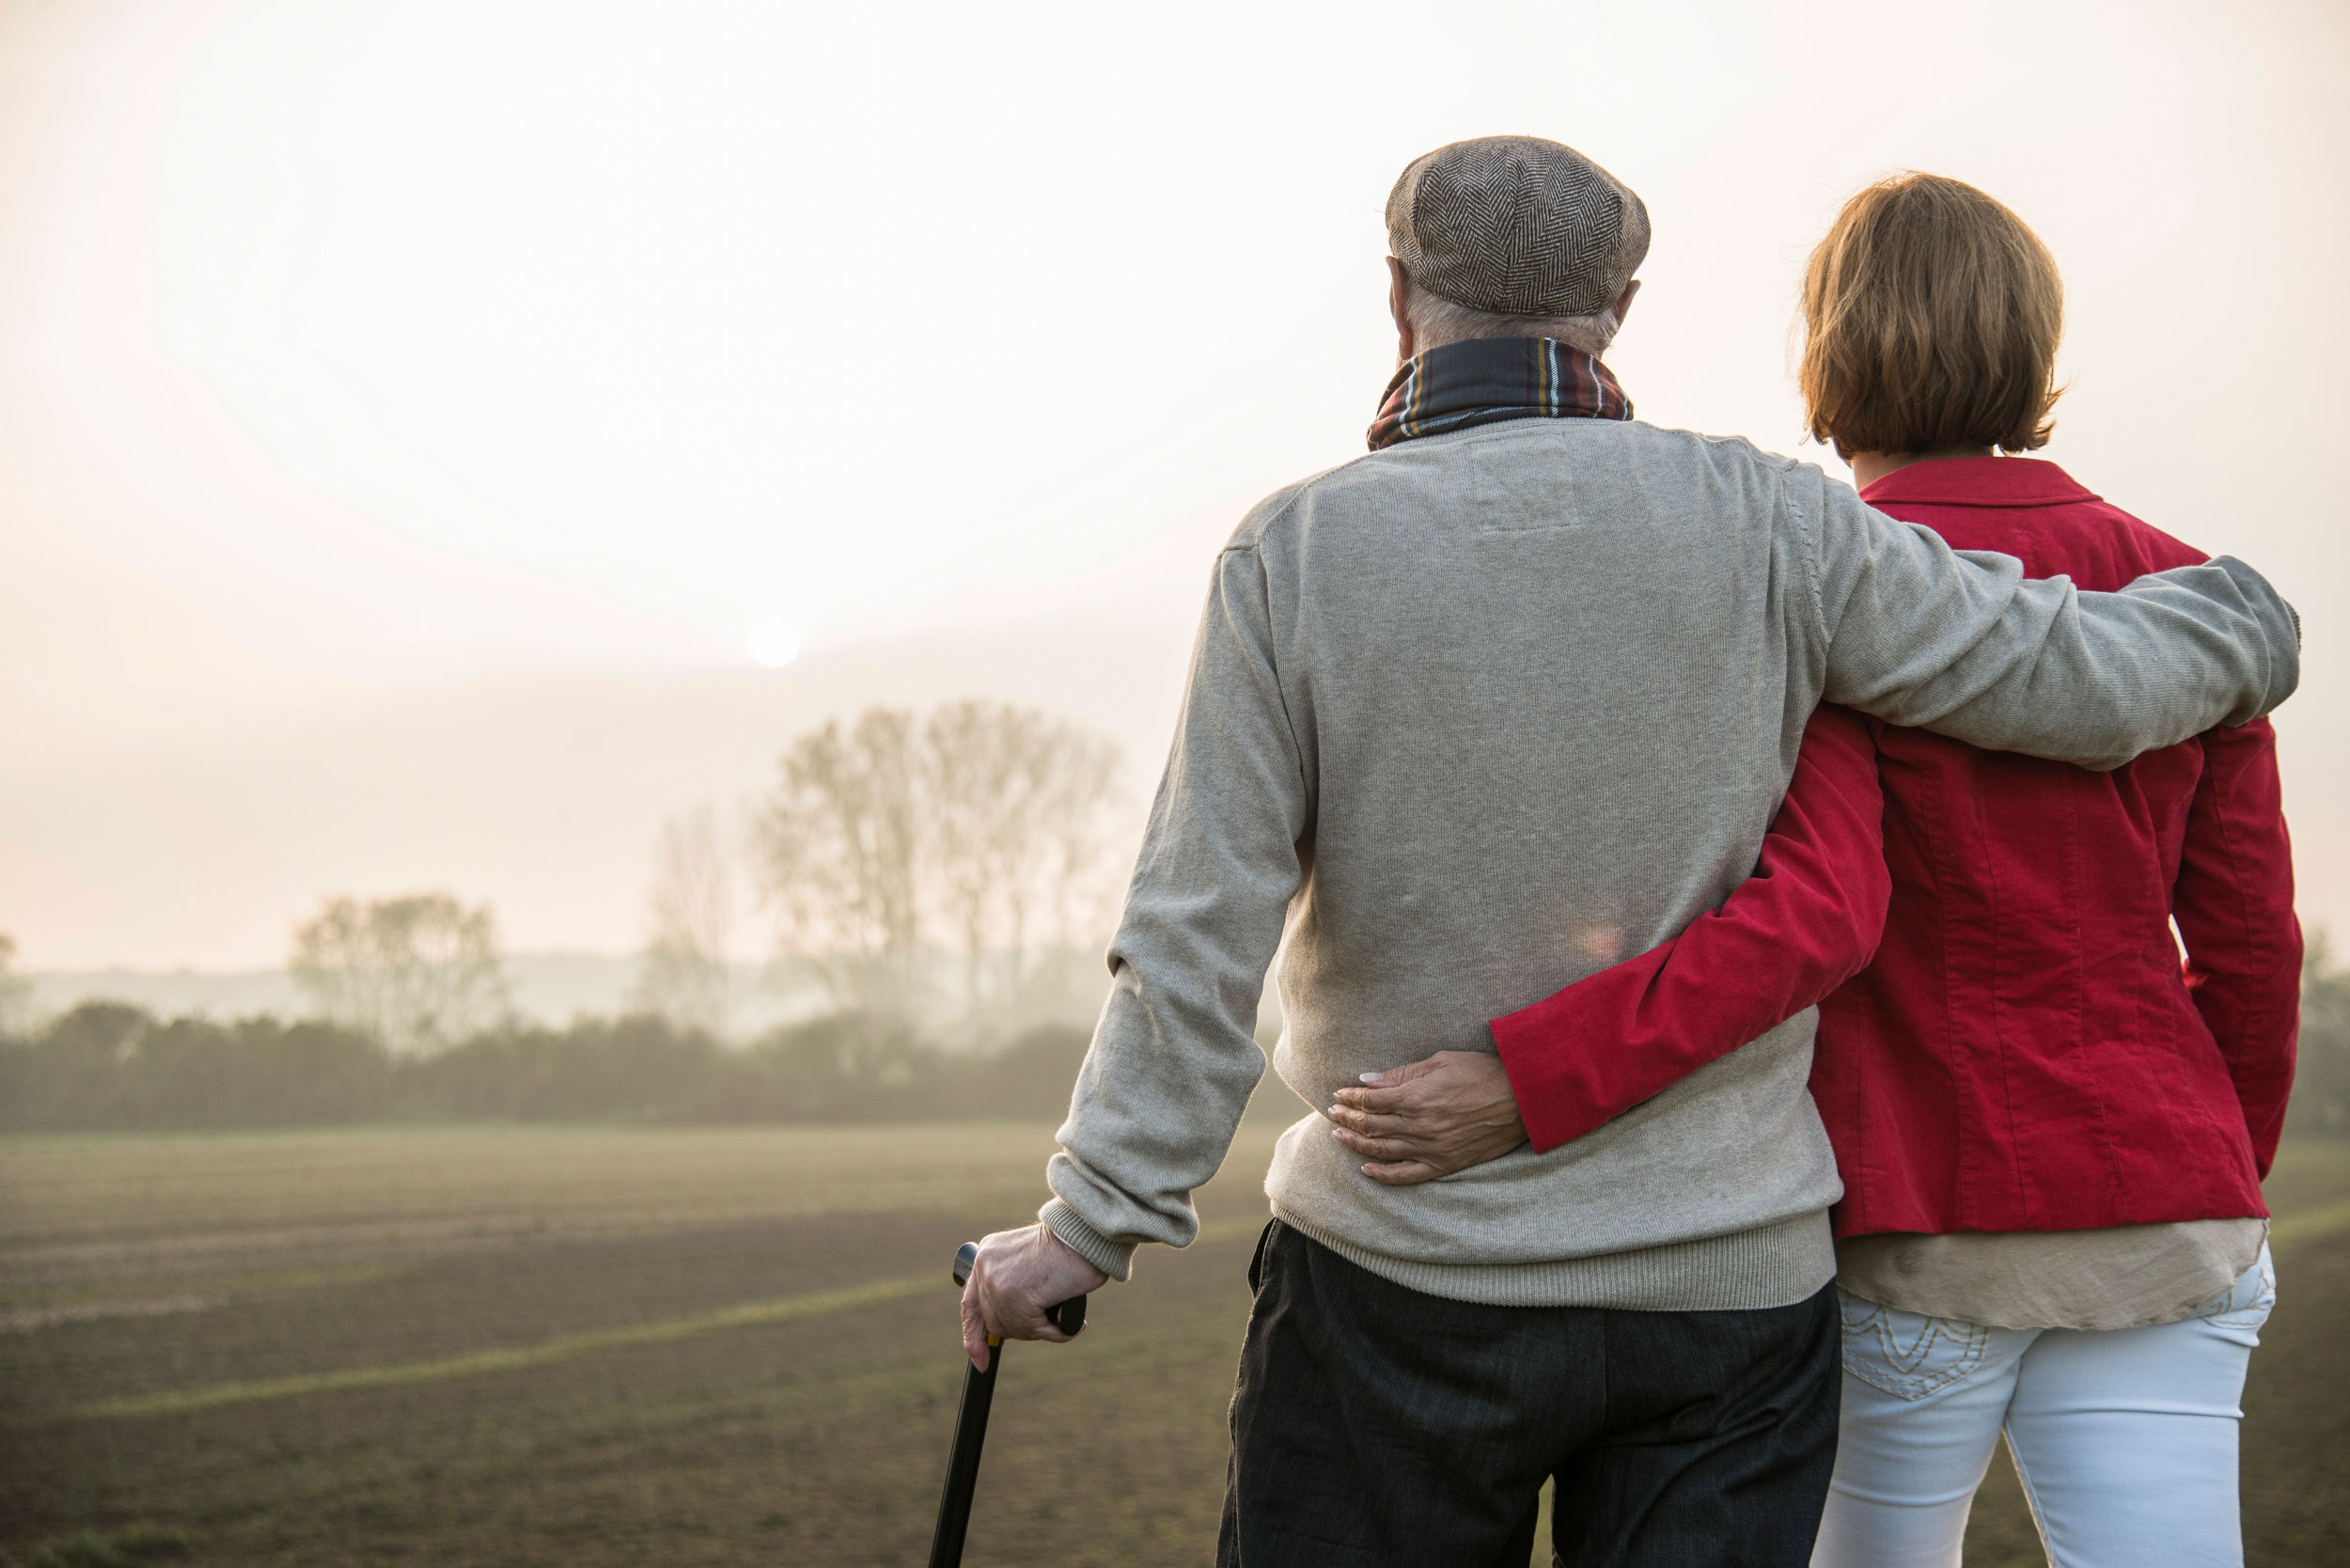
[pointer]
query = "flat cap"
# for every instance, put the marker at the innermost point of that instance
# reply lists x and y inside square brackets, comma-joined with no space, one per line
[1517,226]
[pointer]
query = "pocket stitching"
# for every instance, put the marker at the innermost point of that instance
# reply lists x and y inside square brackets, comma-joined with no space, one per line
[1972,1341]
[2254,1313]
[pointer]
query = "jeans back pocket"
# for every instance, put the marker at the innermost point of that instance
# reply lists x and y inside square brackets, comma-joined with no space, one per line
[2247,1303]
[1908,1355]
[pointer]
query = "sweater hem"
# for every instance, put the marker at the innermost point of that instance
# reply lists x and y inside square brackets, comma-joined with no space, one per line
[1776,1264]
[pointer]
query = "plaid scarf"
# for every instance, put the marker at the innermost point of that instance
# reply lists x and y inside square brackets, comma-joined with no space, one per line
[1482,380]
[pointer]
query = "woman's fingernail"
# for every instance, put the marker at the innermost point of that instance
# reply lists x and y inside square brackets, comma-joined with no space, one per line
[1375,1078]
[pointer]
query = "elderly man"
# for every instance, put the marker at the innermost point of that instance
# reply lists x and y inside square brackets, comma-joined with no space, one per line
[1469,719]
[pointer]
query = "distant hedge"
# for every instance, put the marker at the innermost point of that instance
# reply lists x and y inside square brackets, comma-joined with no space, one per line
[107,1066]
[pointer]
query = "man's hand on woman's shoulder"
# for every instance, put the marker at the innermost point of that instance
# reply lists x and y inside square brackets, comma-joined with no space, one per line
[1429,1117]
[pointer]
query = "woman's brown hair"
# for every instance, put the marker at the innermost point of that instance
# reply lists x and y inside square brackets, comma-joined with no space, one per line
[1930,315]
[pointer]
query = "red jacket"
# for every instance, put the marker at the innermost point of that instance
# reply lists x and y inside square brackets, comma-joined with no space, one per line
[2026,1051]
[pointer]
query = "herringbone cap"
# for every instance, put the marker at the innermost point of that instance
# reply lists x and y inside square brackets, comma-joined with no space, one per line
[1517,226]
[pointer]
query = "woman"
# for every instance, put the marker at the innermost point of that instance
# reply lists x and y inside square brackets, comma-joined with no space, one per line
[2051,1134]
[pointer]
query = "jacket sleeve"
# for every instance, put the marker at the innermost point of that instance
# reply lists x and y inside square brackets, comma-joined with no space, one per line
[2233,905]
[1963,643]
[1174,1057]
[1809,920]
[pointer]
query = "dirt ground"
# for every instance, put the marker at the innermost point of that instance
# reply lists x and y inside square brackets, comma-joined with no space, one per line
[587,1347]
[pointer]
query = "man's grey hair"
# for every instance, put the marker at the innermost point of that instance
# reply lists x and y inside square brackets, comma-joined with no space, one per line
[1436,321]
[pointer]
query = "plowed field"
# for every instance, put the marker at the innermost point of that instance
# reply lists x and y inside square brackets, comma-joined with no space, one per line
[585,1347]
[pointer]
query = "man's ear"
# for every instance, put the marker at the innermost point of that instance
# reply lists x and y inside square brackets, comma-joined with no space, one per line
[1623,301]
[1399,297]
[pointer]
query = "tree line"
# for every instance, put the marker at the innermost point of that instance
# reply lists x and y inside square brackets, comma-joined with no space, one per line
[927,874]
[109,1066]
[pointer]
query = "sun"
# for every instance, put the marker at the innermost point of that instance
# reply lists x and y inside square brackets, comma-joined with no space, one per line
[773,641]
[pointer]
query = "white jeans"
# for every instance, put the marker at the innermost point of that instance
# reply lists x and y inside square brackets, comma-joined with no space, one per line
[2126,1438]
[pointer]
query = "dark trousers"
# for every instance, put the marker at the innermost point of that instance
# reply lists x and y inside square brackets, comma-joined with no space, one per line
[1375,1425]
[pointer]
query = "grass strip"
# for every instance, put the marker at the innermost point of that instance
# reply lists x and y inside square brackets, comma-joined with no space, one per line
[563,1347]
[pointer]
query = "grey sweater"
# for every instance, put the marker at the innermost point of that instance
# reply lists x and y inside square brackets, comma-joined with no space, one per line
[1469,718]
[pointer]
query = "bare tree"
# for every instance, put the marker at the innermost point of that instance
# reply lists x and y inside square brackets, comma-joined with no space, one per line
[978,829]
[690,911]
[837,839]
[1084,790]
[1016,800]
[15,989]
[982,769]
[415,972]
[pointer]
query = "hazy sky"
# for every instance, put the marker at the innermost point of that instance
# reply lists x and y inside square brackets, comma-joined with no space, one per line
[423,424]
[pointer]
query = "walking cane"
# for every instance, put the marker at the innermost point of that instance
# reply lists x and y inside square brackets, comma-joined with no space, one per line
[978,1392]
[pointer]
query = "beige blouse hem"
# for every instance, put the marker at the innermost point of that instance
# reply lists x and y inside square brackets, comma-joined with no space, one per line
[2123,1276]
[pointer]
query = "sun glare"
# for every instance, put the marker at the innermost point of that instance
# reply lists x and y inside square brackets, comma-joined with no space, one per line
[774,642]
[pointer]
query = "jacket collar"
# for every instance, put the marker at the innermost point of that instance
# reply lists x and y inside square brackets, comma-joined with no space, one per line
[1985,482]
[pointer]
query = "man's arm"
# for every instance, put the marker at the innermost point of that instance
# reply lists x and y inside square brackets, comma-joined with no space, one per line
[2233,904]
[1963,644]
[1805,922]
[1175,1057]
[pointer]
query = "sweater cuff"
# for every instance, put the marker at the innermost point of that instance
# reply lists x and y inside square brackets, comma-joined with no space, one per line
[1115,1258]
[1553,1106]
